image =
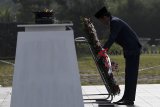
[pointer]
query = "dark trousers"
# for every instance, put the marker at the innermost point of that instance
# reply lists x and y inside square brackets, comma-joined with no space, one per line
[131,74]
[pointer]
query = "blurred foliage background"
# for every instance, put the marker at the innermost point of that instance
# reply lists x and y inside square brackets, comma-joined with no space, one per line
[142,15]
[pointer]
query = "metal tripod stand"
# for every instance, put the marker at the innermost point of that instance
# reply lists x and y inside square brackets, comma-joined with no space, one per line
[109,95]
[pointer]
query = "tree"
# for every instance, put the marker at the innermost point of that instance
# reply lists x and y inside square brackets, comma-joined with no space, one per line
[75,9]
[25,14]
[142,15]
[5,15]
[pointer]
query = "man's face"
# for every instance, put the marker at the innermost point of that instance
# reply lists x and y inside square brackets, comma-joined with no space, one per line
[104,20]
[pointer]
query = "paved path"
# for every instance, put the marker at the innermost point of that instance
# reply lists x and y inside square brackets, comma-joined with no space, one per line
[148,95]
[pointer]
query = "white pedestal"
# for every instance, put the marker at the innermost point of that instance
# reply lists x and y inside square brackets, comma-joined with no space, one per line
[46,72]
[45,27]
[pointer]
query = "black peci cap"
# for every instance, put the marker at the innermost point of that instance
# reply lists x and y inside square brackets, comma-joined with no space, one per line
[102,12]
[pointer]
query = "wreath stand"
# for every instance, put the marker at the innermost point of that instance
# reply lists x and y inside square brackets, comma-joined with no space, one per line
[109,96]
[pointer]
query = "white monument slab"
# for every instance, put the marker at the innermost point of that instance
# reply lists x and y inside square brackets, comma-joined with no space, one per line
[46,71]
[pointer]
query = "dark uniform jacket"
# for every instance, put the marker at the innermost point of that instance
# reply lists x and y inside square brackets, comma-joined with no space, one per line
[123,34]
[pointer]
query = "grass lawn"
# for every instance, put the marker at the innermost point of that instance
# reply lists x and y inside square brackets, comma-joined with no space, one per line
[90,76]
[6,73]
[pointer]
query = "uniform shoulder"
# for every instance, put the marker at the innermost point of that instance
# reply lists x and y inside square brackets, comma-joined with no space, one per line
[115,19]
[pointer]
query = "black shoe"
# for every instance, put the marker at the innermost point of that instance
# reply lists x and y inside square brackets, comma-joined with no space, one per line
[118,101]
[124,102]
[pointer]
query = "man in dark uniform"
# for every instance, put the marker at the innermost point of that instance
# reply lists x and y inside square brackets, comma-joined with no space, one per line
[123,34]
